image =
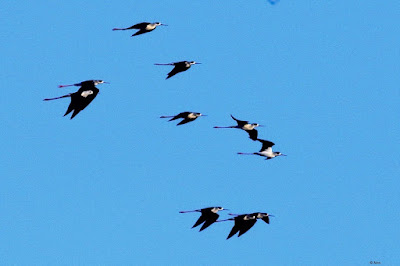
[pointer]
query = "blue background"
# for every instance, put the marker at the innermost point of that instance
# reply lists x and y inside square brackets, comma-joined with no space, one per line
[107,186]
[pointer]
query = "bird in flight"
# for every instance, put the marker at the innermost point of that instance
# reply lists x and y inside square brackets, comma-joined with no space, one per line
[244,222]
[178,67]
[273,2]
[186,117]
[143,27]
[208,216]
[246,126]
[82,98]
[266,150]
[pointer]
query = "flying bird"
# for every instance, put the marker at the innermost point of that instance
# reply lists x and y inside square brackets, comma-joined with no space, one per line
[178,67]
[266,150]
[143,27]
[244,222]
[82,98]
[208,216]
[273,2]
[246,126]
[187,117]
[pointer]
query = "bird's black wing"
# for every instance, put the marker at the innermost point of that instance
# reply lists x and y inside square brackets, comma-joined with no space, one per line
[201,220]
[253,134]
[240,123]
[179,63]
[79,102]
[139,32]
[236,227]
[180,115]
[266,219]
[234,230]
[186,120]
[211,218]
[177,69]
[139,26]
[265,144]
[246,225]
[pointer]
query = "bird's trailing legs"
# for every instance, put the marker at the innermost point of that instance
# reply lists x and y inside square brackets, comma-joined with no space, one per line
[65,96]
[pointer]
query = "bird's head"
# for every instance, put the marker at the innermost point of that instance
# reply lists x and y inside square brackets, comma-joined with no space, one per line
[159,24]
[261,215]
[99,81]
[216,209]
[199,114]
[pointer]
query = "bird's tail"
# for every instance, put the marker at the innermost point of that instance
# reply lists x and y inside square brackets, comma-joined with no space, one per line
[65,96]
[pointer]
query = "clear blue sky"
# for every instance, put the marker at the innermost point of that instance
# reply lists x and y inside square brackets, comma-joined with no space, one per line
[107,186]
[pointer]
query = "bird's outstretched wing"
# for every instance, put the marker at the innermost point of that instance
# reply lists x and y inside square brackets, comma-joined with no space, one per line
[240,122]
[186,120]
[139,32]
[212,218]
[180,115]
[266,144]
[78,102]
[246,225]
[234,230]
[201,220]
[139,25]
[174,71]
[253,134]
[266,219]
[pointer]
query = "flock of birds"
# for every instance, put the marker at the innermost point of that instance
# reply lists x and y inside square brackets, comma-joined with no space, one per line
[243,222]
[88,91]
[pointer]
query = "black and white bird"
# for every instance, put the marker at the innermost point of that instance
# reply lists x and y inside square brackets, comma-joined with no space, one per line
[143,27]
[178,67]
[246,126]
[82,98]
[208,216]
[244,222]
[266,150]
[186,117]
